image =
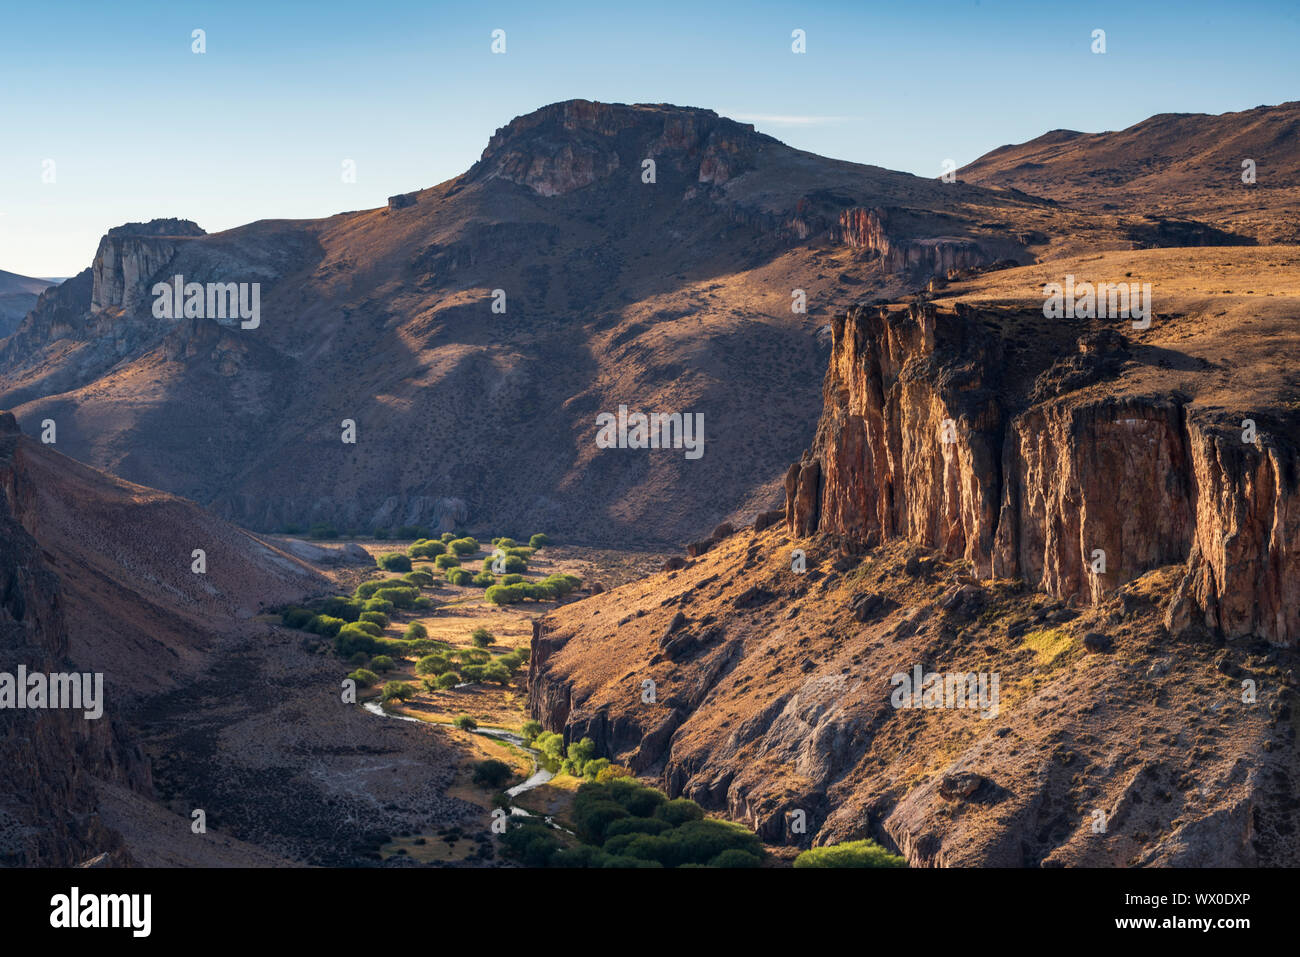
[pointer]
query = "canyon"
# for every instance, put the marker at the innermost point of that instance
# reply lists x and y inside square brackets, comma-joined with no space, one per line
[920,473]
[971,457]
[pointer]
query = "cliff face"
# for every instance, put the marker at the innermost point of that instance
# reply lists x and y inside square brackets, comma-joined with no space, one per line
[130,255]
[868,230]
[930,432]
[53,758]
[569,145]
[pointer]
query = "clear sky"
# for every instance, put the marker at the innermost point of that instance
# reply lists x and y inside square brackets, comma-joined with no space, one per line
[258,127]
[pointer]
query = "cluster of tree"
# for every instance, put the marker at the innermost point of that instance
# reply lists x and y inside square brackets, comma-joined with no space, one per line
[469,665]
[622,823]
[426,548]
[548,589]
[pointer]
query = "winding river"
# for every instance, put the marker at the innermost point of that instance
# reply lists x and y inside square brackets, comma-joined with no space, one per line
[537,778]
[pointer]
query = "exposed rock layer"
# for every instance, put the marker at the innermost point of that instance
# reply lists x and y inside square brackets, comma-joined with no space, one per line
[932,433]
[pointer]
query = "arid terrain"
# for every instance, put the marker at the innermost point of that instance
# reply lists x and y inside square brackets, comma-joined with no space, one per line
[928,471]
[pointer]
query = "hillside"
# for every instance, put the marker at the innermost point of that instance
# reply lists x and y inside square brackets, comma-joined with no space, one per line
[1123,686]
[1175,166]
[672,296]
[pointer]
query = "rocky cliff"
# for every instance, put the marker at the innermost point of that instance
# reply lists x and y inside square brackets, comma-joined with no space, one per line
[54,759]
[932,433]
[129,256]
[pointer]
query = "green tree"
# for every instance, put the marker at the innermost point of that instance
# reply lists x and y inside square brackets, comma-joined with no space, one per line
[397,691]
[394,562]
[849,854]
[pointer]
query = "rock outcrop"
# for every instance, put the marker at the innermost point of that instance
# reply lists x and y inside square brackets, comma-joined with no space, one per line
[868,230]
[939,428]
[131,255]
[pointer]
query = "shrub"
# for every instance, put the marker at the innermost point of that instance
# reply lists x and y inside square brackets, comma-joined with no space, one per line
[394,562]
[420,578]
[375,618]
[382,663]
[426,548]
[403,596]
[323,530]
[417,532]
[849,854]
[497,672]
[353,639]
[325,625]
[492,773]
[397,691]
[368,589]
[363,677]
[679,811]
[472,672]
[484,579]
[434,664]
[506,594]
[379,604]
[423,602]
[415,630]
[530,731]
[446,561]
[475,655]
[532,844]
[463,546]
[369,627]
[735,857]
[511,579]
[359,660]
[447,536]
[511,564]
[381,534]
[459,576]
[504,542]
[518,552]
[637,825]
[540,591]
[539,540]
[591,818]
[448,680]
[563,584]
[297,617]
[339,606]
[592,768]
[481,637]
[465,723]
[511,660]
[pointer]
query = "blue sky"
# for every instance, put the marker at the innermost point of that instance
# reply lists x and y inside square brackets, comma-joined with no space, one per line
[138,126]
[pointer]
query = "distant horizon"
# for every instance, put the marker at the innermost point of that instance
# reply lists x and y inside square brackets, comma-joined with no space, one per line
[257,126]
